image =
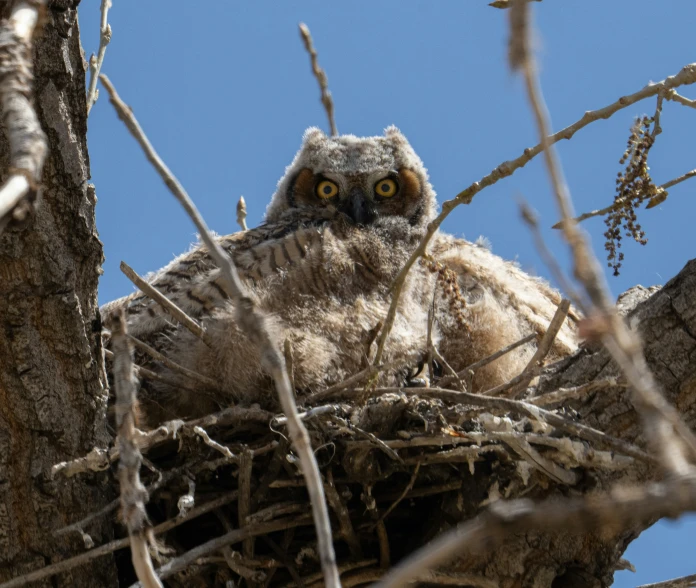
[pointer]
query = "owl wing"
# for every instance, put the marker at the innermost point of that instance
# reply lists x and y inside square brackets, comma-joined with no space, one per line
[192,281]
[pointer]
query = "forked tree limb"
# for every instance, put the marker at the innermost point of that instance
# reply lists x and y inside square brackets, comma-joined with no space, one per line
[96,62]
[686,76]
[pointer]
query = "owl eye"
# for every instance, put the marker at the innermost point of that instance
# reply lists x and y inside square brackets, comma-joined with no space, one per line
[326,189]
[386,188]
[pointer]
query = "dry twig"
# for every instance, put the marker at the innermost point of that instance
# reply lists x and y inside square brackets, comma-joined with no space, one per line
[167,305]
[535,364]
[27,141]
[449,380]
[664,427]
[172,365]
[133,493]
[529,410]
[683,582]
[95,63]
[320,74]
[686,76]
[606,210]
[490,529]
[253,324]
[79,560]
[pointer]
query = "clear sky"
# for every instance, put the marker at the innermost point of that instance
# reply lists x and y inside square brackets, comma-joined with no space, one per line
[224,91]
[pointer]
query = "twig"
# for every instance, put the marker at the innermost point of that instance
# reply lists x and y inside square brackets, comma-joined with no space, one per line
[289,363]
[306,415]
[347,533]
[133,493]
[314,579]
[616,204]
[672,95]
[529,217]
[687,75]
[394,504]
[246,465]
[235,536]
[320,74]
[536,363]
[531,411]
[371,437]
[491,528]
[564,394]
[663,425]
[448,380]
[253,324]
[353,380]
[172,365]
[429,341]
[83,558]
[143,372]
[167,305]
[242,213]
[95,63]
[200,431]
[28,144]
[98,459]
[683,582]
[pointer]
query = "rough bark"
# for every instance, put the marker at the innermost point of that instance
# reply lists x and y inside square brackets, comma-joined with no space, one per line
[52,392]
[666,321]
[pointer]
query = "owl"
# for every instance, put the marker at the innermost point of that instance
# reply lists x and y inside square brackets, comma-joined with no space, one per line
[344,219]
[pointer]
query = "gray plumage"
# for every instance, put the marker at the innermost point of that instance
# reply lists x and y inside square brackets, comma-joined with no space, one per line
[345,217]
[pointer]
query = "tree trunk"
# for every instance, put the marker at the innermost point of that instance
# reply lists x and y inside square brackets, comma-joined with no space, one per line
[52,384]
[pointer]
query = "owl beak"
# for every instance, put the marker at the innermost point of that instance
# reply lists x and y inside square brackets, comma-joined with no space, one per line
[359,208]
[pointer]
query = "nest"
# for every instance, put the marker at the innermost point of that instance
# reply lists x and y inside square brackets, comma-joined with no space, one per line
[229,505]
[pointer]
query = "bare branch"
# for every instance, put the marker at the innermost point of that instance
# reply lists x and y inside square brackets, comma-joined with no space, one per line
[449,380]
[661,196]
[672,95]
[535,364]
[320,74]
[686,76]
[95,63]
[235,536]
[564,394]
[490,529]
[133,493]
[253,324]
[172,365]
[27,141]
[167,305]
[663,425]
[683,582]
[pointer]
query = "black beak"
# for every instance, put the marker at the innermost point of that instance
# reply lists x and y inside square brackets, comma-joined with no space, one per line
[358,208]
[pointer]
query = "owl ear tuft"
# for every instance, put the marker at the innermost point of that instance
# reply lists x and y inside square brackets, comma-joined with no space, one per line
[395,135]
[313,136]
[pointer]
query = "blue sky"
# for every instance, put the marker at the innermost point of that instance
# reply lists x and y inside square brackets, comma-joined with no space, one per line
[225,91]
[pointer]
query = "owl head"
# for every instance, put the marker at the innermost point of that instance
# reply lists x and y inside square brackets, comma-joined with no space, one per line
[365,179]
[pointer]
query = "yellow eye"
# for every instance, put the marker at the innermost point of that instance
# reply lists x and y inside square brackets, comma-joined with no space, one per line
[386,188]
[326,189]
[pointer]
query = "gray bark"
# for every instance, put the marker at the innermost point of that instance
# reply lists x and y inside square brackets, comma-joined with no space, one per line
[52,386]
